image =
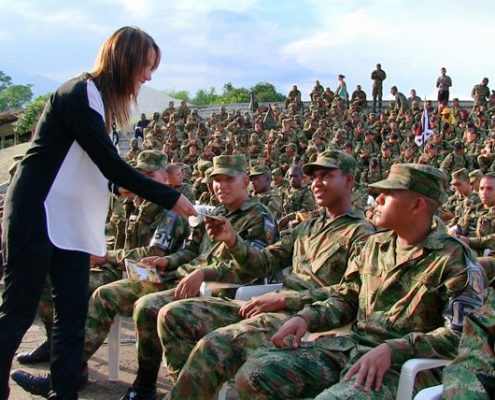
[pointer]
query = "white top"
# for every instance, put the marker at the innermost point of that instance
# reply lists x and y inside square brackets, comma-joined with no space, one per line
[77,204]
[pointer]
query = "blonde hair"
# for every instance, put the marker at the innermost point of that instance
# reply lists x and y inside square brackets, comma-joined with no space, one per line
[120,59]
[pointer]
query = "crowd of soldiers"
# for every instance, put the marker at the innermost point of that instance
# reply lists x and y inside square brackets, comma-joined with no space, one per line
[364,224]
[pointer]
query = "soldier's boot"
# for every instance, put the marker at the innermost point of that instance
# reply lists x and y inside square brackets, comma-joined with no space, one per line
[144,386]
[37,355]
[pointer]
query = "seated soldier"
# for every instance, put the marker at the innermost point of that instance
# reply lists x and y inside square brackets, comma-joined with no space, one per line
[471,374]
[298,197]
[407,291]
[261,178]
[317,250]
[185,270]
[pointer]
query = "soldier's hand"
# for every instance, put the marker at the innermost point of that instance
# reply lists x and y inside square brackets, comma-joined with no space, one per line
[371,367]
[184,207]
[219,229]
[267,302]
[296,326]
[96,260]
[160,263]
[189,286]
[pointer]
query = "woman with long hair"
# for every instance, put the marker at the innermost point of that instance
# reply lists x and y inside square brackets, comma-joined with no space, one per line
[56,204]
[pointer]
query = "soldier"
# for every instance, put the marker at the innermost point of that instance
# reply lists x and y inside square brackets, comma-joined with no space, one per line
[481,92]
[470,376]
[443,85]
[359,97]
[373,173]
[404,304]
[185,270]
[413,98]
[400,99]
[430,156]
[317,91]
[297,197]
[175,179]
[317,249]
[466,208]
[133,151]
[261,178]
[378,76]
[385,158]
[456,160]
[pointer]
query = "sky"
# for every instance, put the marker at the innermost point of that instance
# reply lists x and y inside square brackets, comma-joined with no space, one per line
[285,42]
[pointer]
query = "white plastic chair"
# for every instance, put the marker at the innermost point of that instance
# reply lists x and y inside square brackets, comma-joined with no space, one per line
[408,374]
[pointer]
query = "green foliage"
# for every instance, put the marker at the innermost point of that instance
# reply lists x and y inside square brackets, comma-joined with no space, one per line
[28,119]
[264,91]
[204,97]
[13,96]
[178,94]
[5,81]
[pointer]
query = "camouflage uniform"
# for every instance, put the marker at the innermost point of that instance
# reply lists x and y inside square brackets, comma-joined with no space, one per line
[271,199]
[110,299]
[300,199]
[413,298]
[452,162]
[253,223]
[471,375]
[378,76]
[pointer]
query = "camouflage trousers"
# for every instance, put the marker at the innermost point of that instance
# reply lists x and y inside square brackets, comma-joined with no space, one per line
[314,369]
[98,276]
[210,335]
[109,300]
[472,374]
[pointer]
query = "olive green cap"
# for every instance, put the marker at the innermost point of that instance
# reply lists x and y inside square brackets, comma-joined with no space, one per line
[475,174]
[204,165]
[259,170]
[277,172]
[233,165]
[423,179]
[151,160]
[332,159]
[459,176]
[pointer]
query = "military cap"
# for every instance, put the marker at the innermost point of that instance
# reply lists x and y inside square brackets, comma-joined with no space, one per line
[207,177]
[423,179]
[204,165]
[233,165]
[385,145]
[133,140]
[332,159]
[475,174]
[459,176]
[431,146]
[355,114]
[277,172]
[151,160]
[293,145]
[372,114]
[458,145]
[156,114]
[259,170]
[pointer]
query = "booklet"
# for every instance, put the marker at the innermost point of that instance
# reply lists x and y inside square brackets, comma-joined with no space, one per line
[140,272]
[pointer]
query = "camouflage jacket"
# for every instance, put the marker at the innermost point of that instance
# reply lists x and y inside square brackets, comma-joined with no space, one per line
[485,231]
[414,299]
[272,200]
[300,199]
[317,250]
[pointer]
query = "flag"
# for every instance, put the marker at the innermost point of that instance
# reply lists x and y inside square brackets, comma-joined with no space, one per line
[269,120]
[423,131]
[253,104]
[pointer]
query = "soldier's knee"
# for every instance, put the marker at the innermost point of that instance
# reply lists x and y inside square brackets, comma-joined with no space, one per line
[142,309]
[245,388]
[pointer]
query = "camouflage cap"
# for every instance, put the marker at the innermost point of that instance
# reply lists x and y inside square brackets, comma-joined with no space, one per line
[423,179]
[151,160]
[332,159]
[233,165]
[277,172]
[204,165]
[460,175]
[259,170]
[475,174]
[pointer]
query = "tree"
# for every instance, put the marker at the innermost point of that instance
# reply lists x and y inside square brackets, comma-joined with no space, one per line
[265,91]
[234,95]
[13,96]
[204,97]
[28,119]
[178,94]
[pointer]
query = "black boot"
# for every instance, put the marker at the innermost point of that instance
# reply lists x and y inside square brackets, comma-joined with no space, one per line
[40,384]
[38,355]
[135,393]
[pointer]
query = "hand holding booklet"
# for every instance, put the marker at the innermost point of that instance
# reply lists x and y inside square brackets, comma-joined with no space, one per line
[140,272]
